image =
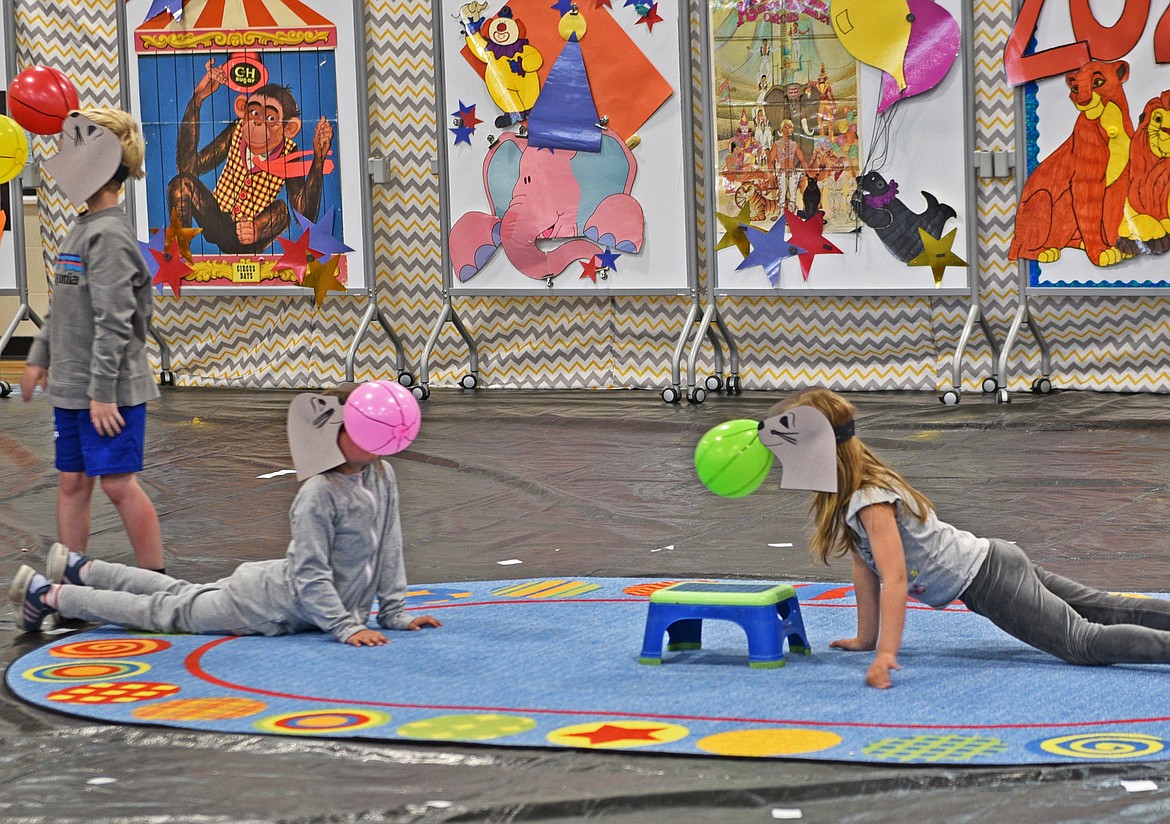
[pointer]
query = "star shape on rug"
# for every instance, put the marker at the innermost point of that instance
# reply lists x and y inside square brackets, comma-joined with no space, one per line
[810,236]
[651,17]
[936,253]
[321,237]
[172,7]
[297,255]
[768,249]
[171,267]
[322,279]
[734,234]
[182,234]
[610,733]
[608,259]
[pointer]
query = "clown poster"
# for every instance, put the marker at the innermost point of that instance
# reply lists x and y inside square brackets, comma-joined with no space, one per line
[843,162]
[254,144]
[1092,211]
[566,154]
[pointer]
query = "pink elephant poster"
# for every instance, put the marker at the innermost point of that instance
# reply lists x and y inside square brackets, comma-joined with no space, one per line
[565,148]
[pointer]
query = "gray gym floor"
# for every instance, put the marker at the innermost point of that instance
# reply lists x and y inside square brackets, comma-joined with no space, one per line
[580,483]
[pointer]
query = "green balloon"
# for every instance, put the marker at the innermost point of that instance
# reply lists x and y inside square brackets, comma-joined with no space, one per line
[730,459]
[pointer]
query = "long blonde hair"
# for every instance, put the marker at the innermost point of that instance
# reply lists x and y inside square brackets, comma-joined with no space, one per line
[857,467]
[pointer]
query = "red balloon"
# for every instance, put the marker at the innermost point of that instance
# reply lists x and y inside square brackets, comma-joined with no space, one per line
[40,97]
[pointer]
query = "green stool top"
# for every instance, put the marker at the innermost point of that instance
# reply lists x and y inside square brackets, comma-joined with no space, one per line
[728,595]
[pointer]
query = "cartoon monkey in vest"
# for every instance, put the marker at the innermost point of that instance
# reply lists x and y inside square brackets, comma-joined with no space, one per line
[244,213]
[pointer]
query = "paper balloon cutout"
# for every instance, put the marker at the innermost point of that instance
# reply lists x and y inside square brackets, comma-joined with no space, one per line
[876,203]
[876,32]
[13,149]
[930,53]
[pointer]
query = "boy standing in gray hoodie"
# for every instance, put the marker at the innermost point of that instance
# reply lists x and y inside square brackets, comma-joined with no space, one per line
[95,336]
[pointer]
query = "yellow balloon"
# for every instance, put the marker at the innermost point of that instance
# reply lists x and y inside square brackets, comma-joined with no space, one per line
[876,32]
[13,148]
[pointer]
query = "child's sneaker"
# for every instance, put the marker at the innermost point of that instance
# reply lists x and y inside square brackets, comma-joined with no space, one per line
[26,594]
[63,566]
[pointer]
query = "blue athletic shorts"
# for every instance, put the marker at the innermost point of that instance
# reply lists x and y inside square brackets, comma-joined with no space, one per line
[81,449]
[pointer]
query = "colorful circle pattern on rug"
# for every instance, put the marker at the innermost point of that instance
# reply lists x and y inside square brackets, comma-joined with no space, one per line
[1101,746]
[323,722]
[768,743]
[482,727]
[199,709]
[87,671]
[110,648]
[121,692]
[617,735]
[948,749]
[546,589]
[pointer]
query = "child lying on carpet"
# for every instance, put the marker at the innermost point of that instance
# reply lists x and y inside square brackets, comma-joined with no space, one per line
[346,545]
[899,547]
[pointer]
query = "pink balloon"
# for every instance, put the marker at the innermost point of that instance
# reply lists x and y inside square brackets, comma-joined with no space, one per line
[932,49]
[382,417]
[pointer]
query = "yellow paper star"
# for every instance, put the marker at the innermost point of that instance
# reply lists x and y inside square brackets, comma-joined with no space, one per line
[322,278]
[182,234]
[937,254]
[735,235]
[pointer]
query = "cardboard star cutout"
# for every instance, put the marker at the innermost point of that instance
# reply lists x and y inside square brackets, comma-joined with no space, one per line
[322,279]
[651,17]
[297,256]
[321,237]
[809,235]
[937,254]
[467,115]
[563,6]
[157,244]
[768,249]
[589,270]
[608,259]
[171,267]
[602,4]
[172,7]
[180,234]
[734,226]
[462,134]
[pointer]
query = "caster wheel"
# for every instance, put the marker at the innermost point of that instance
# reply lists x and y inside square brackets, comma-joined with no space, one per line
[5,389]
[1003,396]
[468,381]
[1041,386]
[949,398]
[420,392]
[989,386]
[696,395]
[671,395]
[166,378]
[734,385]
[406,378]
[713,383]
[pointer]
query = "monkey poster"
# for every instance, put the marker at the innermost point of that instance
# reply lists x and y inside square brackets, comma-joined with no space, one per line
[250,146]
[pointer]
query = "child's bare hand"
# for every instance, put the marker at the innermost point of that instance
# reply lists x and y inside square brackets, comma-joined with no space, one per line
[31,378]
[424,621]
[878,674]
[851,644]
[367,638]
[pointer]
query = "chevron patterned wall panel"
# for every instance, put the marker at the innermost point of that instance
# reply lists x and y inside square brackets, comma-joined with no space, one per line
[847,343]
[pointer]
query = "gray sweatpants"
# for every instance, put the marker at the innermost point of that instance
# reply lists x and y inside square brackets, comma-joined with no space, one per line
[142,599]
[1076,623]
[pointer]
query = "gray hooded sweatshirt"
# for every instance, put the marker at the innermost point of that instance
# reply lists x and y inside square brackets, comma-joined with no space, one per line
[94,338]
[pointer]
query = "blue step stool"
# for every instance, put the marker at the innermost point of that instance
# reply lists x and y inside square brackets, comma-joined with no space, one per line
[768,613]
